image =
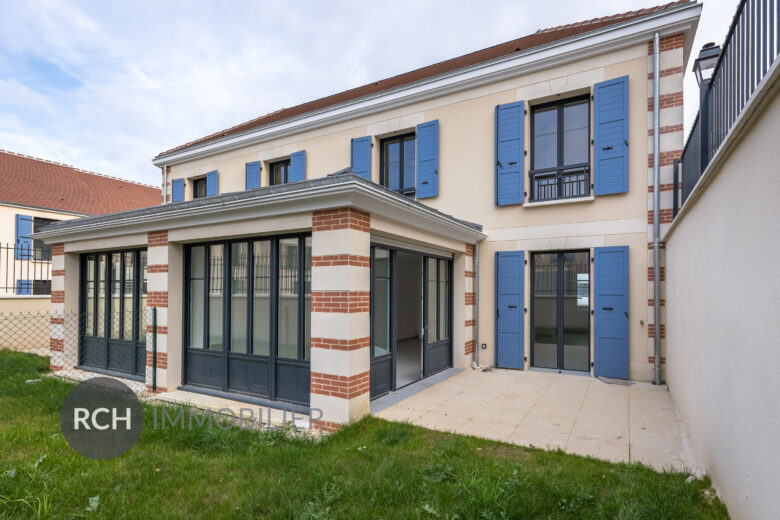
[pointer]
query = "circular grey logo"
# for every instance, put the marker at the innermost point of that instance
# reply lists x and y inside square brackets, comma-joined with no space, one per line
[101,418]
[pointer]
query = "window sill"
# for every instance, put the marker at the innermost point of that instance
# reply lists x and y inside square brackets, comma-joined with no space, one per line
[558,201]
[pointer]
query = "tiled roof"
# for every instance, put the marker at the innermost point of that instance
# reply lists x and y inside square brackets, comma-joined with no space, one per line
[40,183]
[539,38]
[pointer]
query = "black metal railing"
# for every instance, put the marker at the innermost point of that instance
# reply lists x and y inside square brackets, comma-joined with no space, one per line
[560,183]
[25,270]
[748,52]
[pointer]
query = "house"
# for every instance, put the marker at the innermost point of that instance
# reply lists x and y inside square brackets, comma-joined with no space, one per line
[36,193]
[495,208]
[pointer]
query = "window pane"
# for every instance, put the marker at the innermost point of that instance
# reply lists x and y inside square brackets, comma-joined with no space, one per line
[288,299]
[433,327]
[101,302]
[128,290]
[116,282]
[279,172]
[216,295]
[142,311]
[307,297]
[196,311]
[261,292]
[409,165]
[545,138]
[444,301]
[239,262]
[392,166]
[576,322]
[381,310]
[89,289]
[545,302]
[575,133]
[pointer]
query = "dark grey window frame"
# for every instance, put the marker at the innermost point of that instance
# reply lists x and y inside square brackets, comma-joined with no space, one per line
[383,177]
[196,186]
[286,175]
[559,304]
[272,357]
[561,174]
[41,251]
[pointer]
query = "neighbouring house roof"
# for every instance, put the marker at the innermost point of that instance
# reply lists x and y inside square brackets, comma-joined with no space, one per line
[340,189]
[540,38]
[39,183]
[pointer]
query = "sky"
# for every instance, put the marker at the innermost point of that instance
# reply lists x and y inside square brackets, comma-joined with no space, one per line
[106,86]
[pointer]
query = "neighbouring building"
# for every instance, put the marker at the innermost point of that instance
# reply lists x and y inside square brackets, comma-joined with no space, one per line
[35,193]
[492,208]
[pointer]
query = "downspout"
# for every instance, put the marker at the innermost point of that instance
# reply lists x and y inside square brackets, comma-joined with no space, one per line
[475,317]
[656,218]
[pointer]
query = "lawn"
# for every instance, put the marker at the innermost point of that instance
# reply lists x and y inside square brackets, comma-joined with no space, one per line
[371,469]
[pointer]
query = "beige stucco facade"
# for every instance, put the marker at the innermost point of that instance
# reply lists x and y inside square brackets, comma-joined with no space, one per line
[723,326]
[466,179]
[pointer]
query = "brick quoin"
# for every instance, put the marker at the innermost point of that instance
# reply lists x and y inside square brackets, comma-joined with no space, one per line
[341,344]
[651,302]
[159,390]
[344,387]
[665,187]
[340,301]
[341,218]
[56,345]
[471,298]
[651,274]
[337,260]
[58,249]
[162,359]
[58,296]
[326,426]
[667,43]
[667,129]
[651,359]
[470,347]
[667,72]
[157,238]
[57,321]
[660,246]
[157,299]
[157,268]
[160,329]
[58,272]
[666,216]
[54,368]
[471,274]
[666,101]
[470,249]
[651,331]
[470,323]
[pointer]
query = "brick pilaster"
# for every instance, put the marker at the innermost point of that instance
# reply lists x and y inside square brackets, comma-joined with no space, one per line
[57,319]
[157,297]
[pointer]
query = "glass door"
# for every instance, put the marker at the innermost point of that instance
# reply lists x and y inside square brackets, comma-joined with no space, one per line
[560,310]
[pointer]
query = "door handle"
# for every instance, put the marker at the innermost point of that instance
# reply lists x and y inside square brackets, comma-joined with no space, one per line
[607,308]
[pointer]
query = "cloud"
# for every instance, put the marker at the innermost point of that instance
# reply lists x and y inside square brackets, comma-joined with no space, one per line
[128,80]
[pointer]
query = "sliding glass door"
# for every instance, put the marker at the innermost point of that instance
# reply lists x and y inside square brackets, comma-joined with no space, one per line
[248,317]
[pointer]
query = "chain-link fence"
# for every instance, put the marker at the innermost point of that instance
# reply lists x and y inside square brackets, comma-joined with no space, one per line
[82,346]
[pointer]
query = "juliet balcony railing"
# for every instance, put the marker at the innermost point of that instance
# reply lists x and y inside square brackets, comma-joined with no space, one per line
[25,270]
[747,54]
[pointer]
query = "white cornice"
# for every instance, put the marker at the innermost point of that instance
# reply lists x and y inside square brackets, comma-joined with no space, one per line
[672,21]
[351,193]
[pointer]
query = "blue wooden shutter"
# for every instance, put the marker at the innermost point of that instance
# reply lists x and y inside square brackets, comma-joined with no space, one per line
[212,183]
[177,190]
[24,286]
[24,244]
[361,157]
[253,175]
[611,312]
[297,171]
[610,140]
[509,153]
[428,159]
[510,309]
